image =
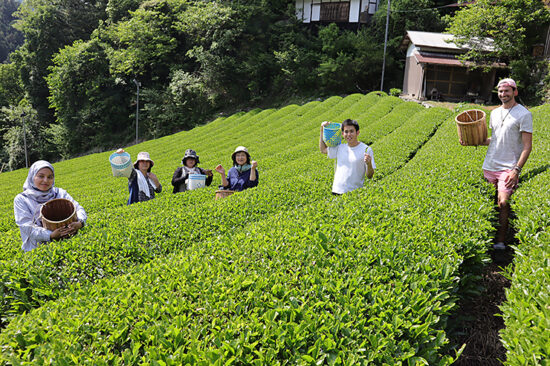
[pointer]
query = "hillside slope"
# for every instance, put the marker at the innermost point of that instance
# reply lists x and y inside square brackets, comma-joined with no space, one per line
[282,273]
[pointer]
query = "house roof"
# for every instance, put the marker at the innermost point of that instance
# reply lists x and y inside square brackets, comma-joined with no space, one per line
[432,40]
[449,60]
[443,42]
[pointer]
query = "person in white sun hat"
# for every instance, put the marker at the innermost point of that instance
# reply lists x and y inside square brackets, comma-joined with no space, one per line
[510,145]
[243,174]
[142,184]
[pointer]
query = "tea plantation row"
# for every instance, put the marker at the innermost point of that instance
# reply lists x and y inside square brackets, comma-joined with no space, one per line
[527,310]
[119,241]
[284,273]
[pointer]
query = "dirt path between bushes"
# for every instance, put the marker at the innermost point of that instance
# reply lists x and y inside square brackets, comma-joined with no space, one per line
[482,317]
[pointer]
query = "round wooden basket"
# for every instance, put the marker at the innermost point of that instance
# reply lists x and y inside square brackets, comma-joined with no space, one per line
[222,193]
[57,213]
[472,127]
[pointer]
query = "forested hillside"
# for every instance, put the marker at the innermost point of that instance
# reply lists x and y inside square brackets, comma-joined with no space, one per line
[284,273]
[10,38]
[76,81]
[72,87]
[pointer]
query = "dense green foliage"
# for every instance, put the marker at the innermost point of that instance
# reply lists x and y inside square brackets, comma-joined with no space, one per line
[282,273]
[515,26]
[527,309]
[193,59]
[10,38]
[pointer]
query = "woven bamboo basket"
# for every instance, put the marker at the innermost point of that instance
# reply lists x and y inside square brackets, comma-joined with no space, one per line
[222,193]
[472,127]
[57,213]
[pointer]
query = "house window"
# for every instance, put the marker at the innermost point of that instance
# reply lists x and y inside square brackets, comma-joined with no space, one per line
[451,82]
[334,12]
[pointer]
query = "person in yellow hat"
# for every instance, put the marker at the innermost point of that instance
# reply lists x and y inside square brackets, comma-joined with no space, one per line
[142,184]
[243,174]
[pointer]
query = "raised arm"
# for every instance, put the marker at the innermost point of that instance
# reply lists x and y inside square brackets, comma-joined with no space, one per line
[370,169]
[253,170]
[221,170]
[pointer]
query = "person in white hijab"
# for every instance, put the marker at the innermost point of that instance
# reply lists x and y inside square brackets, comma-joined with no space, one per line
[38,189]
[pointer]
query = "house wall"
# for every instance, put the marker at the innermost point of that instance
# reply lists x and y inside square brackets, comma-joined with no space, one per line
[303,10]
[414,75]
[354,11]
[310,10]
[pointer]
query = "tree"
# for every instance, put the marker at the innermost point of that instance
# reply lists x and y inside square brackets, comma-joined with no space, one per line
[11,89]
[38,146]
[10,38]
[514,25]
[349,61]
[92,109]
[118,10]
[405,15]
[48,26]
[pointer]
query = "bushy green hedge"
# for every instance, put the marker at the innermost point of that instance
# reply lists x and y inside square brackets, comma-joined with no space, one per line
[43,274]
[283,273]
[526,311]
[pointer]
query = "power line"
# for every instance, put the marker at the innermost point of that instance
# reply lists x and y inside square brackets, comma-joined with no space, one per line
[427,9]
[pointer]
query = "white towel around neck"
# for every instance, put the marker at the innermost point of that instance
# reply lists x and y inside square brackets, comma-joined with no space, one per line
[142,183]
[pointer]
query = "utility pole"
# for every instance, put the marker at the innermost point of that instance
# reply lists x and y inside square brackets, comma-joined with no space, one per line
[23,114]
[138,84]
[385,45]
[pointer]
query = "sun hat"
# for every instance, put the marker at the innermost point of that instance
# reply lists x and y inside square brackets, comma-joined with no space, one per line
[507,82]
[190,153]
[240,149]
[145,157]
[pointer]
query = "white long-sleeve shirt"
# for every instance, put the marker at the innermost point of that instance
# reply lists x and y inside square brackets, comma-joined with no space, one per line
[27,217]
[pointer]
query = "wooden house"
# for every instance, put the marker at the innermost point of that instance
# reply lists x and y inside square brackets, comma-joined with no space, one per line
[433,71]
[336,11]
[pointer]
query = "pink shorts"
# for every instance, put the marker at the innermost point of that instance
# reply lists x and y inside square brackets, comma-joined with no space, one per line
[498,179]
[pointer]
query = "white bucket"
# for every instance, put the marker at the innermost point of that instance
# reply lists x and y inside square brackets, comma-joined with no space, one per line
[121,164]
[196,181]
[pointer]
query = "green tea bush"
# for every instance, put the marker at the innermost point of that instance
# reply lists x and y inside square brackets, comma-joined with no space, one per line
[526,310]
[282,273]
[46,273]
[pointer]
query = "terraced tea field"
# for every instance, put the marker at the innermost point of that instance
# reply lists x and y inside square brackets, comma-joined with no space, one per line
[284,273]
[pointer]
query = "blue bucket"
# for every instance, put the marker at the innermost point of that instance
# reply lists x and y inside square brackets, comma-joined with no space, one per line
[121,164]
[332,134]
[196,181]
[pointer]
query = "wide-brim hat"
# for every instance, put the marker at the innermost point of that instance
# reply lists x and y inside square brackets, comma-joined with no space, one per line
[145,157]
[190,153]
[240,149]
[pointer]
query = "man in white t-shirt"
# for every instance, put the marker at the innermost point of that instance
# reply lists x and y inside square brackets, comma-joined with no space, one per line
[354,160]
[509,148]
